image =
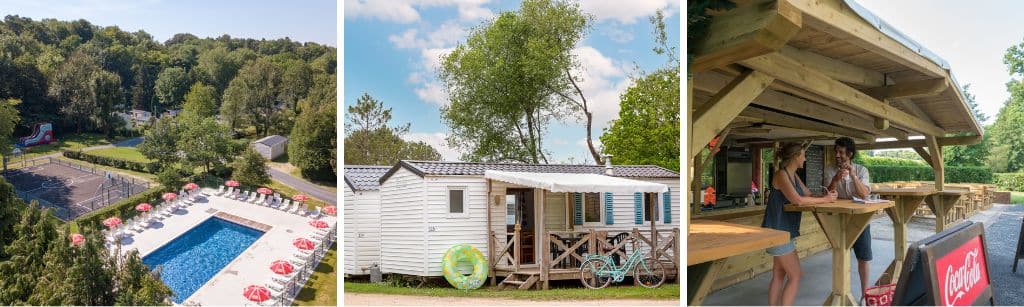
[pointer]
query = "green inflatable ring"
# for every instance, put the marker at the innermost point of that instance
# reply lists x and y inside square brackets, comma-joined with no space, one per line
[458,253]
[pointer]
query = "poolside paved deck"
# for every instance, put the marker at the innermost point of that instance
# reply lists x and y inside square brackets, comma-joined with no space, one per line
[252,266]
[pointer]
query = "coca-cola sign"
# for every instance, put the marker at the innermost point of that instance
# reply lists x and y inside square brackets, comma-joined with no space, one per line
[962,274]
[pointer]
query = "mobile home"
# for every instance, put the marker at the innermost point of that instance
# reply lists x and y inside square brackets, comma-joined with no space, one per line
[530,219]
[362,217]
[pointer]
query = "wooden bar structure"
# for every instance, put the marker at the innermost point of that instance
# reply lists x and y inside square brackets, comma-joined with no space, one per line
[842,221]
[771,71]
[906,201]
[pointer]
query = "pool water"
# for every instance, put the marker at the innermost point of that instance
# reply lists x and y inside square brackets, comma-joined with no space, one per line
[190,260]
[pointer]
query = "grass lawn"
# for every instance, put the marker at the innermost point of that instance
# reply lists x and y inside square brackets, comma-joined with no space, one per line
[668,291]
[322,287]
[70,142]
[281,163]
[1017,198]
[277,186]
[123,153]
[137,175]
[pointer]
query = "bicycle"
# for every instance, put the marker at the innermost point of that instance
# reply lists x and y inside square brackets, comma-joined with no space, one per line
[598,271]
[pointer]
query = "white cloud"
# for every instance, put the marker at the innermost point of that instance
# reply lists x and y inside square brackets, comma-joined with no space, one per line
[405,11]
[446,35]
[627,13]
[436,140]
[619,35]
[602,81]
[432,58]
[583,143]
[433,92]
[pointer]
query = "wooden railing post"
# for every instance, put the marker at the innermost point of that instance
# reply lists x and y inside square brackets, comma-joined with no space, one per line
[591,244]
[490,257]
[545,259]
[515,249]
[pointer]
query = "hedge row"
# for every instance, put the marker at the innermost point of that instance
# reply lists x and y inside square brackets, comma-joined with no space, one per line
[954,174]
[1010,181]
[125,208]
[151,167]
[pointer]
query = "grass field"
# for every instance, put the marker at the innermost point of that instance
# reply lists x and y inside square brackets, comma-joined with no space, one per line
[123,153]
[1017,198]
[665,292]
[69,142]
[281,163]
[322,287]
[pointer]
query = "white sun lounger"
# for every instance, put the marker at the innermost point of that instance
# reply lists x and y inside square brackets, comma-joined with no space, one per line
[295,209]
[220,191]
[316,213]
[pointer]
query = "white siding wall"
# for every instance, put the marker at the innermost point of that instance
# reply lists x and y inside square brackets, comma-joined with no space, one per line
[402,224]
[445,230]
[366,233]
[623,210]
[350,216]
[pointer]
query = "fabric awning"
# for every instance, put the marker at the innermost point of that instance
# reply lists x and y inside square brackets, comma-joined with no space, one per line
[580,183]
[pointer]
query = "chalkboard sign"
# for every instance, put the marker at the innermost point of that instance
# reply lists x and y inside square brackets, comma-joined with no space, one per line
[949,268]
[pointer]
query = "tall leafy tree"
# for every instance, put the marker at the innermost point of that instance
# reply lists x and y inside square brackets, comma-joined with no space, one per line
[70,87]
[9,118]
[511,78]
[369,139]
[171,86]
[161,141]
[311,147]
[218,67]
[1007,135]
[254,92]
[205,143]
[107,95]
[250,168]
[201,101]
[969,155]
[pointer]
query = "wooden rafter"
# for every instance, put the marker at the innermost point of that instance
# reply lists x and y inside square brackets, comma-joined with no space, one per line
[836,69]
[912,89]
[746,32]
[779,119]
[942,141]
[713,81]
[716,114]
[791,71]
[834,18]
[924,155]
[937,164]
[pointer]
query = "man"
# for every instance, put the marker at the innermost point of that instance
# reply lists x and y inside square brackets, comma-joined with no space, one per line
[851,180]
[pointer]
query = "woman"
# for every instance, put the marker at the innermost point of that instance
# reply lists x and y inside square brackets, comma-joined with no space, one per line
[787,189]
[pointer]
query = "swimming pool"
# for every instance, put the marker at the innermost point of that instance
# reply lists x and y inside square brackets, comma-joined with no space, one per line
[190,260]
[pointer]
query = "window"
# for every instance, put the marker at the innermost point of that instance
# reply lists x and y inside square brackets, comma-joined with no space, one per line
[510,209]
[591,207]
[456,200]
[650,199]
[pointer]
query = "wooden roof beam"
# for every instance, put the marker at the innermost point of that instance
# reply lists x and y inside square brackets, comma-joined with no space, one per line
[746,32]
[834,18]
[713,81]
[942,141]
[912,89]
[716,114]
[786,69]
[836,69]
[779,119]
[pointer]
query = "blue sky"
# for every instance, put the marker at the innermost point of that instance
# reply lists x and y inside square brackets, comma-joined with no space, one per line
[312,20]
[971,35]
[392,48]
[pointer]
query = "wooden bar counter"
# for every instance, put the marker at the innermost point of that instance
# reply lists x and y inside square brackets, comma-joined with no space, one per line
[941,202]
[709,243]
[842,221]
[906,202]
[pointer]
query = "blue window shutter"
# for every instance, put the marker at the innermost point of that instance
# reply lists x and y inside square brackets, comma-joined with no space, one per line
[608,219]
[638,208]
[666,199]
[578,205]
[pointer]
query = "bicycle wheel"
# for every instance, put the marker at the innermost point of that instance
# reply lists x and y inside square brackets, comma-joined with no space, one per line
[594,274]
[649,273]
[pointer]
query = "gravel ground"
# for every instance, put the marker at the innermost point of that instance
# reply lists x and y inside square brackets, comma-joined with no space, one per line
[359,299]
[1001,240]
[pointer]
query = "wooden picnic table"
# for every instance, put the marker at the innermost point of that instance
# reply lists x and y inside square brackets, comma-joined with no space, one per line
[941,202]
[709,243]
[906,202]
[842,222]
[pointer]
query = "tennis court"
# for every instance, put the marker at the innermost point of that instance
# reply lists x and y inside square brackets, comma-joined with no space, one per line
[71,189]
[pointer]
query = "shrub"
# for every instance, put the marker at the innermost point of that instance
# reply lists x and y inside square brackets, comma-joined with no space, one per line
[887,161]
[152,167]
[955,174]
[1010,181]
[124,208]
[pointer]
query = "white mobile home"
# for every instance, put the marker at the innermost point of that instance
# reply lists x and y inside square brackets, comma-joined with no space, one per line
[534,219]
[362,217]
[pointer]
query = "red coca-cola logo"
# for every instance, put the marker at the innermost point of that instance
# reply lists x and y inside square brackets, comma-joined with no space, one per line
[962,274]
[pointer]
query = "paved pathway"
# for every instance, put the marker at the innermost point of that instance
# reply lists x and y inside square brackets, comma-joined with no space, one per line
[359,299]
[304,186]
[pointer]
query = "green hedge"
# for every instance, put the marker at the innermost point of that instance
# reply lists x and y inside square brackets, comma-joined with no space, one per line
[889,161]
[954,174]
[152,167]
[1010,181]
[125,208]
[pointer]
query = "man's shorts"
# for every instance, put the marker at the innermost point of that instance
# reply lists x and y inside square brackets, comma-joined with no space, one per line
[862,247]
